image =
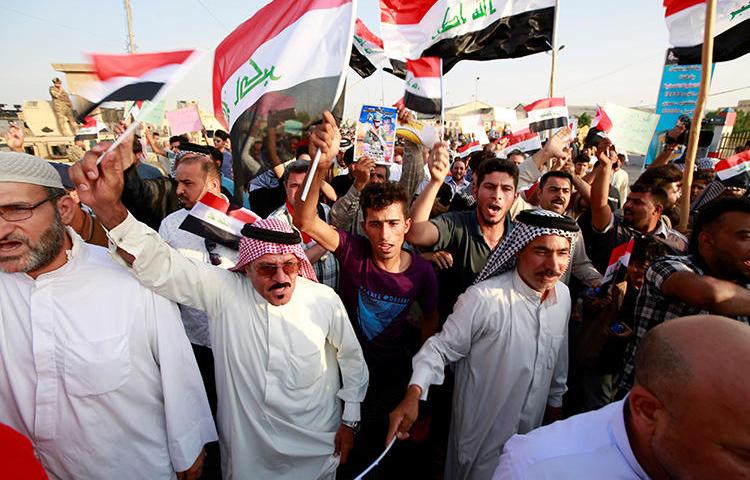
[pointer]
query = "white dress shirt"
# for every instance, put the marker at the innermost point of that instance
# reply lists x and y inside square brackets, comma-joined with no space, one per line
[511,355]
[590,446]
[97,371]
[193,246]
[279,369]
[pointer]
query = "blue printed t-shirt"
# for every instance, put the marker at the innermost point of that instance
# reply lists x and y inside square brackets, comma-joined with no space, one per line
[379,304]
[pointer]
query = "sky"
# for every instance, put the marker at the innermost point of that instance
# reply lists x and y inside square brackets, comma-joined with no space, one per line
[613,52]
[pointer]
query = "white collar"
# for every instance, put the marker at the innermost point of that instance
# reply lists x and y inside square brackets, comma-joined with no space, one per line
[532,295]
[620,435]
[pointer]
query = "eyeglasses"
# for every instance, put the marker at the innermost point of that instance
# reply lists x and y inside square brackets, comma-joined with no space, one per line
[269,270]
[18,212]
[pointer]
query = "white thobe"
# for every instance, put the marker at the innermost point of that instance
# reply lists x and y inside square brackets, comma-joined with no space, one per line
[193,246]
[511,355]
[590,446]
[279,369]
[97,371]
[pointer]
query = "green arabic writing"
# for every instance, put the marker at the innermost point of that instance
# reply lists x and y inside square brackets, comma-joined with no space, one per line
[246,85]
[739,11]
[484,8]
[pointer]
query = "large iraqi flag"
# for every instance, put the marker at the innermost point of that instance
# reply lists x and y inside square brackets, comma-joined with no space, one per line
[456,30]
[284,63]
[368,55]
[136,77]
[686,20]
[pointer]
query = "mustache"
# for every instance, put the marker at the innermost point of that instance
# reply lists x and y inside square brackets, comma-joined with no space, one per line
[549,273]
[279,285]
[15,237]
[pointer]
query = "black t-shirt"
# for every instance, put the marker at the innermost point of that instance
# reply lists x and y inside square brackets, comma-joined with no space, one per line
[341,184]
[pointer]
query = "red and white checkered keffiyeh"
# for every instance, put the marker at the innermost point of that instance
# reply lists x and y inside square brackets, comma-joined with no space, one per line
[252,249]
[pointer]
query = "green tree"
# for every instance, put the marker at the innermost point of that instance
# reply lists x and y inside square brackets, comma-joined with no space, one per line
[742,123]
[584,120]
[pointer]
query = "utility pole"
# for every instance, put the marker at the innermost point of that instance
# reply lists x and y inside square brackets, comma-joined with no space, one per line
[554,51]
[476,90]
[131,35]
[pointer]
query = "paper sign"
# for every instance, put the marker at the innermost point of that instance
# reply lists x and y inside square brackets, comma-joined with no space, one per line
[376,134]
[473,125]
[631,129]
[184,120]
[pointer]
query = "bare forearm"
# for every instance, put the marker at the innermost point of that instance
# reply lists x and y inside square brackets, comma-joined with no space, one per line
[582,187]
[600,212]
[709,293]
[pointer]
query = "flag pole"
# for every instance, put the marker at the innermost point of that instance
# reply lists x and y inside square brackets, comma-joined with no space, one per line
[339,92]
[695,128]
[554,51]
[442,103]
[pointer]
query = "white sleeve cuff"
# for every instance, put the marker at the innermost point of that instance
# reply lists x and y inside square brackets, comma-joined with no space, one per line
[351,412]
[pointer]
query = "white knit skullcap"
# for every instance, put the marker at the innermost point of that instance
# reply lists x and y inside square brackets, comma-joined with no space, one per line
[25,168]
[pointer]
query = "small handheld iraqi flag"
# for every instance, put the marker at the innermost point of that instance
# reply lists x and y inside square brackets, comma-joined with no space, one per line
[209,219]
[136,76]
[601,120]
[547,114]
[468,149]
[424,85]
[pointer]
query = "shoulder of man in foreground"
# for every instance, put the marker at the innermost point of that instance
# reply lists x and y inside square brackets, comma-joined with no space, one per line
[563,447]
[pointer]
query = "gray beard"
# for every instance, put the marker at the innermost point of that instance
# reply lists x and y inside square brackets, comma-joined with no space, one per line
[43,253]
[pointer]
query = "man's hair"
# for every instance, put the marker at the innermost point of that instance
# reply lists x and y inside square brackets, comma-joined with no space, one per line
[55,193]
[661,175]
[208,166]
[659,366]
[221,134]
[387,171]
[516,152]
[555,174]
[137,145]
[713,213]
[495,164]
[621,157]
[477,158]
[349,156]
[215,155]
[581,158]
[657,193]
[704,176]
[297,166]
[178,139]
[378,196]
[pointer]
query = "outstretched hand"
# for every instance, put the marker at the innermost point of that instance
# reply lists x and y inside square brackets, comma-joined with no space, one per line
[404,415]
[439,162]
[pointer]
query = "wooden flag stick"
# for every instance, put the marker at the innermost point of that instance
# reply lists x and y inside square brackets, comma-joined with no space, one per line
[700,106]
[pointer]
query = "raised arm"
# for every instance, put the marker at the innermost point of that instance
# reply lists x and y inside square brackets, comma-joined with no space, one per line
[601,214]
[156,265]
[424,233]
[326,138]
[344,211]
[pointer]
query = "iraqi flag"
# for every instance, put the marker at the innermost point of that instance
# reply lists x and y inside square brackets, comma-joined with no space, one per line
[424,89]
[524,141]
[619,258]
[210,219]
[368,55]
[468,149]
[601,121]
[735,169]
[686,20]
[284,63]
[136,76]
[90,129]
[456,30]
[547,114]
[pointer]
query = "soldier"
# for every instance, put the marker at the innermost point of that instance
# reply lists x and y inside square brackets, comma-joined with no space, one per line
[63,108]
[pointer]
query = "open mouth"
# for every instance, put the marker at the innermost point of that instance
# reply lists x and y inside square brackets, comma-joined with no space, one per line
[495,209]
[10,246]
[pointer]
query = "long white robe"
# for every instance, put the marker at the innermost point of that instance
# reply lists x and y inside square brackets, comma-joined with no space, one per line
[279,369]
[97,371]
[511,358]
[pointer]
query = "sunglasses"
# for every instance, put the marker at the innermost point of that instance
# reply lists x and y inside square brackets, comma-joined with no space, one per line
[269,270]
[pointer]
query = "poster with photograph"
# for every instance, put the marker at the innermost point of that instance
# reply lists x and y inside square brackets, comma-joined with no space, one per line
[376,134]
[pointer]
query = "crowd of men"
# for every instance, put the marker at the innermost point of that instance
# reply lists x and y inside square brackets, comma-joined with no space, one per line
[480,311]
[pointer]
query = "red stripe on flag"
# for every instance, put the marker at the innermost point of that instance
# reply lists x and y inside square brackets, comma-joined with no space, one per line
[424,67]
[732,161]
[268,22]
[244,215]
[675,6]
[519,137]
[404,12]
[135,64]
[363,32]
[545,103]
[214,201]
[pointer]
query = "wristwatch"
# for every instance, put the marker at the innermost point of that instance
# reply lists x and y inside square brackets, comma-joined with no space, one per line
[353,425]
